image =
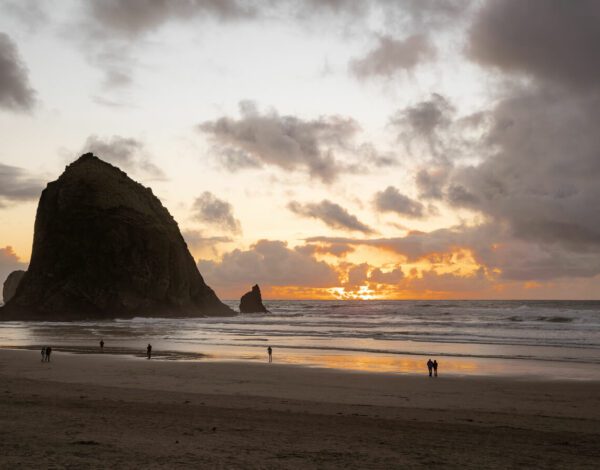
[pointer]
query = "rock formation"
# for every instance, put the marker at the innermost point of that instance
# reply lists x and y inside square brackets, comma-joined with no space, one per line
[251,302]
[10,285]
[105,247]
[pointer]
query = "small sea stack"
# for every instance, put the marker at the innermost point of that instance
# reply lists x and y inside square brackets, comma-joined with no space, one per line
[9,289]
[251,302]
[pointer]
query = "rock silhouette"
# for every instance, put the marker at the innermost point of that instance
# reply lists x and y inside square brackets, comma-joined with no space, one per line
[251,302]
[10,285]
[105,247]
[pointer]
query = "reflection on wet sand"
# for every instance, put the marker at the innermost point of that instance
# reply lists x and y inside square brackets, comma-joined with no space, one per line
[373,363]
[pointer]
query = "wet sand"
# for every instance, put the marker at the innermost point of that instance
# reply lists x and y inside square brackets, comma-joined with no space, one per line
[102,411]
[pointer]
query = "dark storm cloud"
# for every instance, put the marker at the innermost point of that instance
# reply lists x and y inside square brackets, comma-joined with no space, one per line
[15,91]
[269,263]
[17,185]
[391,200]
[392,55]
[286,142]
[542,178]
[9,262]
[332,214]
[209,209]
[126,153]
[556,40]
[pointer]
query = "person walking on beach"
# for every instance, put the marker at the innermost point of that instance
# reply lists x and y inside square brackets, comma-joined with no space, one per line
[43,353]
[101,345]
[270,351]
[430,366]
[435,365]
[48,352]
[149,351]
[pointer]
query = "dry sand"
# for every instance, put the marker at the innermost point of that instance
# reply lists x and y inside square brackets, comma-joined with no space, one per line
[106,411]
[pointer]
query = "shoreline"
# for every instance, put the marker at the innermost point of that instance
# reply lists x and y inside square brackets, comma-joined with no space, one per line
[348,361]
[198,376]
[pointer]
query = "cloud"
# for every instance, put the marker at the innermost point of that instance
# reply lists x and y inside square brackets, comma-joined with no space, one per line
[268,263]
[202,245]
[338,250]
[395,276]
[9,262]
[30,13]
[332,214]
[214,211]
[17,186]
[124,152]
[555,40]
[494,247]
[15,91]
[542,177]
[134,18]
[285,142]
[430,181]
[391,200]
[539,174]
[357,275]
[393,55]
[428,122]
[114,28]
[415,245]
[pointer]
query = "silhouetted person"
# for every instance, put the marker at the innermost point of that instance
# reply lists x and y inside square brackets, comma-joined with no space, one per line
[435,364]
[430,366]
[43,353]
[270,351]
[101,345]
[48,352]
[149,351]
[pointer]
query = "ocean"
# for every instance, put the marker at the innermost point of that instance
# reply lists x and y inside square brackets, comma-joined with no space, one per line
[550,339]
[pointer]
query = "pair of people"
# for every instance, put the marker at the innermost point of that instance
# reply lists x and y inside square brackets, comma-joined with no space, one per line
[432,366]
[46,351]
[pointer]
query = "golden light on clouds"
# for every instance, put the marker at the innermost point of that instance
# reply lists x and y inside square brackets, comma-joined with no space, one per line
[453,274]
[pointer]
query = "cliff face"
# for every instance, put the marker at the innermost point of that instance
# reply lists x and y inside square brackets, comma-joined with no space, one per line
[10,285]
[105,247]
[251,302]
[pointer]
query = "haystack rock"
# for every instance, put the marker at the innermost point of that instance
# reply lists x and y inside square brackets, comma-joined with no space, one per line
[251,302]
[105,247]
[10,285]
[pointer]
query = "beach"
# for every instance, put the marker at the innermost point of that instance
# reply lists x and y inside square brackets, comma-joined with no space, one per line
[116,411]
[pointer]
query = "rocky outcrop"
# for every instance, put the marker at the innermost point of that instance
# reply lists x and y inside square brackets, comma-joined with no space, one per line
[251,302]
[10,285]
[105,247]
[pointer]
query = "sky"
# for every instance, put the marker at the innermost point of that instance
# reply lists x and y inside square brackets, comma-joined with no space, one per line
[329,149]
